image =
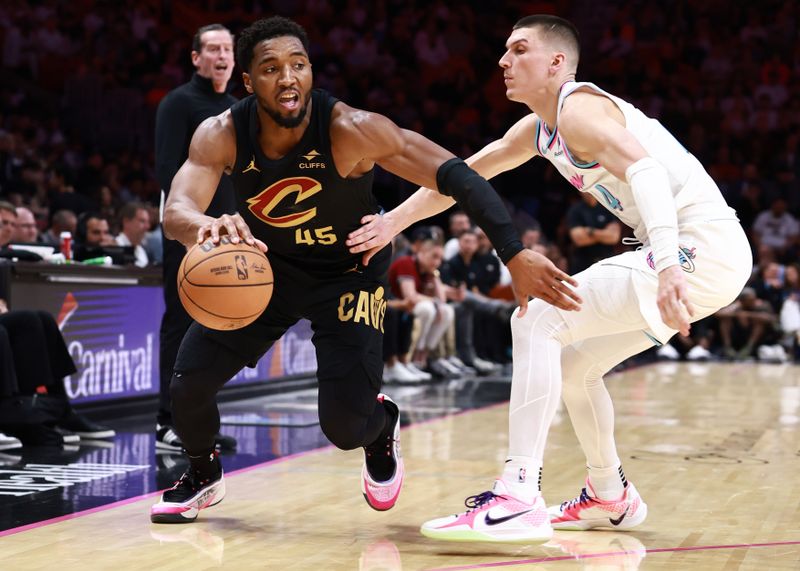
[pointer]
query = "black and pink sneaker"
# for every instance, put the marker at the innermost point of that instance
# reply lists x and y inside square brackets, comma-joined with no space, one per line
[382,473]
[190,494]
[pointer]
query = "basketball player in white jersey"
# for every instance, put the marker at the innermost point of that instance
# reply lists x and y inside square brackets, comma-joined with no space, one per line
[694,260]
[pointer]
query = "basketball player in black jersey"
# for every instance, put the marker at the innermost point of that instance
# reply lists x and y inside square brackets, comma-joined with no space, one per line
[302,163]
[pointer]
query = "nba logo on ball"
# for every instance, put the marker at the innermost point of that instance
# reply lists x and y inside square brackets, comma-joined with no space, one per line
[241,267]
[225,285]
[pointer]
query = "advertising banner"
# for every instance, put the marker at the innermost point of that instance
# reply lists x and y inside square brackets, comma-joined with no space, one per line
[112,332]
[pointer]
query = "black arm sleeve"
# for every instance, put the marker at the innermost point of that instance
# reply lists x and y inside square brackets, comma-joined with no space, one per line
[481,202]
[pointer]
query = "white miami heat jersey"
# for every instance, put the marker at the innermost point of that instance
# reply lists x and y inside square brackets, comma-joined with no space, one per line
[696,195]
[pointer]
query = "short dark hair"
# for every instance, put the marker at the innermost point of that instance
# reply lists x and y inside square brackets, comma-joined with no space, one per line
[553,27]
[62,217]
[265,29]
[197,43]
[81,228]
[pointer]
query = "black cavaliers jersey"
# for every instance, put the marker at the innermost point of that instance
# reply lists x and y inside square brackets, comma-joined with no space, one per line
[299,205]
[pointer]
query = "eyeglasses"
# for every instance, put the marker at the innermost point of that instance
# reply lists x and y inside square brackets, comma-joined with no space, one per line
[28,225]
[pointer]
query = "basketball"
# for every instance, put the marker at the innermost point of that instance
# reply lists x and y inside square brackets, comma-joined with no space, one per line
[224,286]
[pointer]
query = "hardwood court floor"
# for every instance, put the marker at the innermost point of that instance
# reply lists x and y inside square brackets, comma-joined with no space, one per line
[714,449]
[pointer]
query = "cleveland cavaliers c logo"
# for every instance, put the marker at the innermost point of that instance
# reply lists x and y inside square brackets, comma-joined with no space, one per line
[268,199]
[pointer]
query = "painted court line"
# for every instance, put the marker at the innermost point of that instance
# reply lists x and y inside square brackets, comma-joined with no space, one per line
[120,503]
[611,554]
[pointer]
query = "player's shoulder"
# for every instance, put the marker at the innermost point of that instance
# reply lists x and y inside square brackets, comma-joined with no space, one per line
[359,127]
[216,136]
[586,111]
[218,125]
[353,118]
[580,103]
[584,102]
[525,128]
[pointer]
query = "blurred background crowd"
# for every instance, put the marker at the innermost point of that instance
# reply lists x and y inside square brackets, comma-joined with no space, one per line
[82,81]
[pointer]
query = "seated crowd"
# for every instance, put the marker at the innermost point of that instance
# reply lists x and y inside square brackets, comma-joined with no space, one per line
[451,300]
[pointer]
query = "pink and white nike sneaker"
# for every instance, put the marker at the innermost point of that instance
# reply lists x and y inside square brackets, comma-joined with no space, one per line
[494,516]
[382,473]
[589,512]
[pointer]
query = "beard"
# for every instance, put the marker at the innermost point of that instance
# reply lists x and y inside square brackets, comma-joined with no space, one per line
[288,122]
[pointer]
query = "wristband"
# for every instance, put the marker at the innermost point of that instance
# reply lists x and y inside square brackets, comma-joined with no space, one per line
[653,196]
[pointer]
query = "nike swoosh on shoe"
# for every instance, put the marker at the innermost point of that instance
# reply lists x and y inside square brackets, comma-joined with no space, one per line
[489,520]
[620,518]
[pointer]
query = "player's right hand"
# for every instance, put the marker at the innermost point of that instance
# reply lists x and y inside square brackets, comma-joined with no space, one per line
[534,275]
[372,236]
[234,226]
[673,299]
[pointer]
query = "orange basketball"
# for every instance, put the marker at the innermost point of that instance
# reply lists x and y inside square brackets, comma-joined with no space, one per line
[224,286]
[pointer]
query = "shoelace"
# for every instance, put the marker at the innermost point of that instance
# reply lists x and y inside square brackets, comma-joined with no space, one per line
[584,498]
[186,477]
[376,448]
[192,477]
[478,500]
[192,480]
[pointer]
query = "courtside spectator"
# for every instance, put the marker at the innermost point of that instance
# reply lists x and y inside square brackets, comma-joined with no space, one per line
[25,230]
[135,221]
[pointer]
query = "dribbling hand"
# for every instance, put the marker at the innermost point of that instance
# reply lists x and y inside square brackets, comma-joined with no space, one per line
[234,226]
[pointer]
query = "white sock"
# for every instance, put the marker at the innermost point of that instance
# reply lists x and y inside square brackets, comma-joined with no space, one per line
[608,483]
[522,476]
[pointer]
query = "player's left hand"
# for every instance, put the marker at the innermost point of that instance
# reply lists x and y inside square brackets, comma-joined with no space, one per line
[376,231]
[673,299]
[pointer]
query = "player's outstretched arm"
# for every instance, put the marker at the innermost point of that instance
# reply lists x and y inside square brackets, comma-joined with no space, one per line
[515,148]
[211,153]
[417,159]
